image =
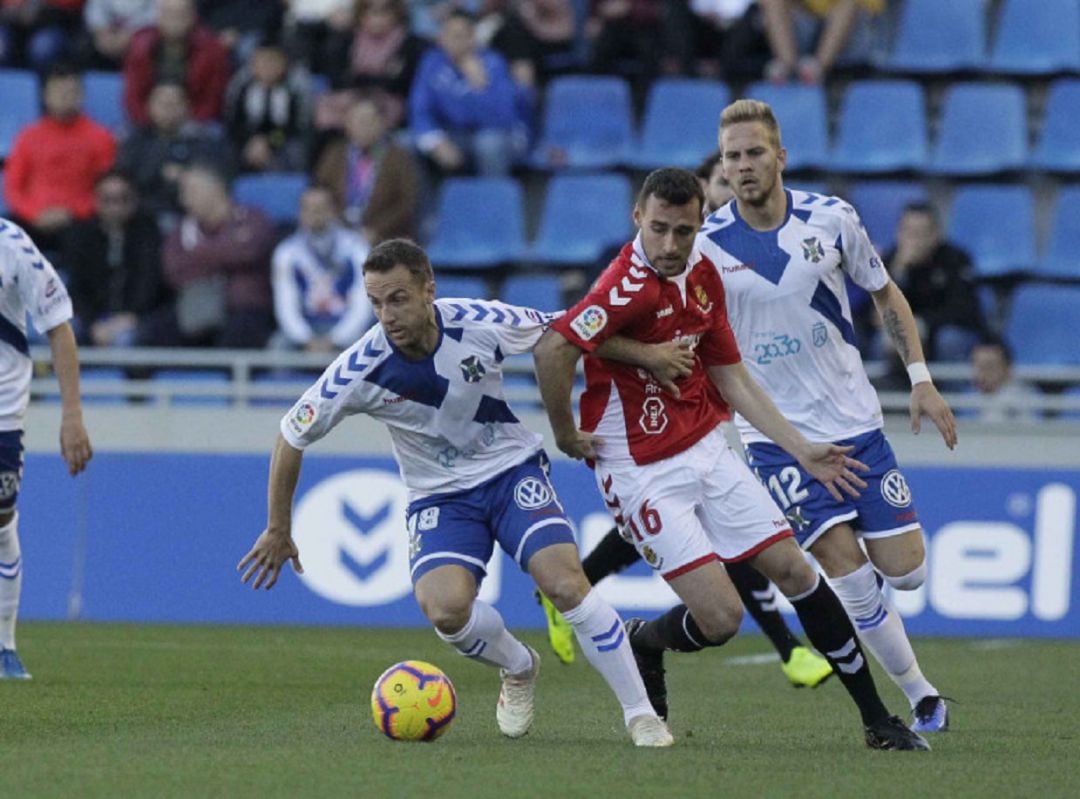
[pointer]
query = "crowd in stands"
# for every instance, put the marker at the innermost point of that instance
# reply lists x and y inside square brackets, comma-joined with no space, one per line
[376,102]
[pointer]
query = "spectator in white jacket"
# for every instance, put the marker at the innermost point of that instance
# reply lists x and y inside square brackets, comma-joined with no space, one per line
[319,296]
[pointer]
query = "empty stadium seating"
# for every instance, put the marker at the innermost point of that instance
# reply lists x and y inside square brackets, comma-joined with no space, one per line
[983,130]
[277,194]
[1058,148]
[1042,325]
[480,223]
[103,99]
[1062,256]
[940,36]
[882,127]
[587,124]
[996,225]
[1037,37]
[680,123]
[20,91]
[582,216]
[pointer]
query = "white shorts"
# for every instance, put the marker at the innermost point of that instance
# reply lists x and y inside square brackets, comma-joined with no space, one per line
[701,505]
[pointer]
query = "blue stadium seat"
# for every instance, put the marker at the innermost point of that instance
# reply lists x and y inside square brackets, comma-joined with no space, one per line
[542,292]
[801,112]
[1037,37]
[882,127]
[1062,256]
[880,205]
[996,225]
[940,36]
[583,215]
[480,223]
[20,90]
[680,123]
[103,99]
[966,144]
[449,285]
[277,194]
[203,378]
[1058,149]
[1042,325]
[588,124]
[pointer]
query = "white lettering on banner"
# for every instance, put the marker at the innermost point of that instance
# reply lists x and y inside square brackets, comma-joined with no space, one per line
[973,569]
[1055,526]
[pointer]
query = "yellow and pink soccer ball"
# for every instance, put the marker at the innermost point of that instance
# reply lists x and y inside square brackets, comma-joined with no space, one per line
[413,701]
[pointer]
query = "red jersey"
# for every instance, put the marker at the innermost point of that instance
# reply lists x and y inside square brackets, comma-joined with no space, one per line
[622,403]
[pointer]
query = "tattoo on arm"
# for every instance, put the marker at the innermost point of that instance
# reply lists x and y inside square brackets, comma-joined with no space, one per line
[895,329]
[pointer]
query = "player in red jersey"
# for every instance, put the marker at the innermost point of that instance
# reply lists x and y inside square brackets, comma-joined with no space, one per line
[661,462]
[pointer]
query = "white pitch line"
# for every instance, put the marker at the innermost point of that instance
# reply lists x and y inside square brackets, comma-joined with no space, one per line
[752,660]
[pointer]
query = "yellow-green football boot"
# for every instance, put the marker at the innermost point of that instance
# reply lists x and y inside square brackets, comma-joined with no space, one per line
[560,633]
[806,669]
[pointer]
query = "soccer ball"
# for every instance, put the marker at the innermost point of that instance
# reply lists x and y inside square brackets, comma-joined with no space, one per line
[413,701]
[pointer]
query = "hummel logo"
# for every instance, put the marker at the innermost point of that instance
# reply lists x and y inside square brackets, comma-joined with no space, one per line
[665,312]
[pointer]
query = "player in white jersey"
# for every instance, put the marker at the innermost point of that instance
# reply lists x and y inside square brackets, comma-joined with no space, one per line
[431,371]
[782,256]
[29,284]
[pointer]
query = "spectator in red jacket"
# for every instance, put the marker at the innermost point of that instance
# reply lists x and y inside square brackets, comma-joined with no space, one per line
[177,49]
[54,163]
[218,263]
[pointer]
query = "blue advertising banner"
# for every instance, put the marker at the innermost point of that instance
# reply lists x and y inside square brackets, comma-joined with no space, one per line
[156,537]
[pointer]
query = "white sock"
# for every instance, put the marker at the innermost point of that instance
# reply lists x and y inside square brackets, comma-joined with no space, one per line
[485,638]
[600,632]
[10,581]
[881,630]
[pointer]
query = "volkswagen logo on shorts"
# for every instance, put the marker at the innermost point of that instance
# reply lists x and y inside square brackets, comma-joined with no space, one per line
[351,538]
[530,494]
[895,489]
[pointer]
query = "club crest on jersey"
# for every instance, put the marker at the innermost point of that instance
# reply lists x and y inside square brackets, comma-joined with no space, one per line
[654,418]
[650,556]
[531,494]
[812,250]
[702,299]
[589,322]
[9,484]
[472,370]
[894,489]
[819,334]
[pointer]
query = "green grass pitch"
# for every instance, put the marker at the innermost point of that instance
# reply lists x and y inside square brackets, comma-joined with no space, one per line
[132,711]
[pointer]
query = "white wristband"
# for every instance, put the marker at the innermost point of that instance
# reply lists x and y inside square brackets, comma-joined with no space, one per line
[918,373]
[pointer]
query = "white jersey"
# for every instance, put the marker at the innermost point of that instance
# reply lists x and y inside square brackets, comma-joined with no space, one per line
[319,293]
[449,422]
[789,309]
[28,284]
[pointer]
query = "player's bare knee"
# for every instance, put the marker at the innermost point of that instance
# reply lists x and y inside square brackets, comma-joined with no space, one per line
[566,588]
[792,576]
[719,623]
[448,615]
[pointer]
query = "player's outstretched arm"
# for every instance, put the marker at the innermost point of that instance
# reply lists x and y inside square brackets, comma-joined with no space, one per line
[555,358]
[667,361]
[899,324]
[829,463]
[74,440]
[275,544]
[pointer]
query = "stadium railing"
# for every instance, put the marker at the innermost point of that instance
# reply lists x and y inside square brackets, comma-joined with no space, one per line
[294,371]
